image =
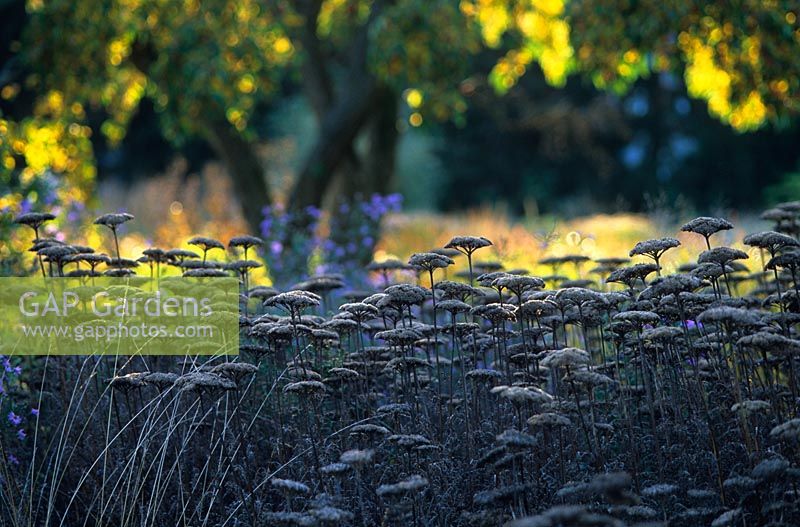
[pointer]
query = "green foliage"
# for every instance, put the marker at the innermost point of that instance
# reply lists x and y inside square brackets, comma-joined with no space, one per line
[787,189]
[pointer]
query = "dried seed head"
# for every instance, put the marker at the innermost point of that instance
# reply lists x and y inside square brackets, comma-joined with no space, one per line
[660,490]
[429,261]
[706,226]
[788,432]
[245,241]
[34,220]
[468,244]
[335,469]
[203,382]
[721,255]
[290,486]
[549,419]
[770,240]
[331,515]
[114,219]
[306,388]
[357,458]
[566,357]
[128,382]
[751,406]
[516,439]
[770,469]
[654,248]
[206,243]
[414,484]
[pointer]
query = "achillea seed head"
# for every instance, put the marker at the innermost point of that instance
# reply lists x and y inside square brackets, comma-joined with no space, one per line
[114,219]
[413,484]
[357,458]
[706,226]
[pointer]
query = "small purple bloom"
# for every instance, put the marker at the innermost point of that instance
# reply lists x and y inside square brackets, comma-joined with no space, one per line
[13,459]
[21,434]
[14,419]
[276,248]
[35,411]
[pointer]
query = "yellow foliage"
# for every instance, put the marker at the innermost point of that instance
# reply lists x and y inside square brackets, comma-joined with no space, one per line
[545,35]
[706,79]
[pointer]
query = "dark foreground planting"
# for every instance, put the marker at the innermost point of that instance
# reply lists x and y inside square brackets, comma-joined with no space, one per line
[502,398]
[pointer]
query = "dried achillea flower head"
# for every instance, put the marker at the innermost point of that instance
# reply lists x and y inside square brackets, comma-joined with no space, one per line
[206,243]
[516,439]
[290,486]
[335,469]
[161,380]
[294,301]
[203,382]
[654,248]
[566,358]
[770,469]
[429,261]
[751,406]
[770,240]
[788,431]
[245,241]
[129,381]
[660,490]
[630,275]
[549,419]
[415,484]
[468,244]
[484,375]
[306,388]
[706,226]
[34,220]
[405,294]
[114,219]
[721,255]
[329,515]
[357,458]
[522,394]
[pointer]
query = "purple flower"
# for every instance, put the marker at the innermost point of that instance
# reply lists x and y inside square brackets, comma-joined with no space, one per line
[35,411]
[395,201]
[367,242]
[266,226]
[13,459]
[17,370]
[14,419]
[276,248]
[314,212]
[21,434]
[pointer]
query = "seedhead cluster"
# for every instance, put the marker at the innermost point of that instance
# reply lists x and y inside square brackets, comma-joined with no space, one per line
[627,397]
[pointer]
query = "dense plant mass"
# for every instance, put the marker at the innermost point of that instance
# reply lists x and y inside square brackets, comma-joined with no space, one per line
[482,397]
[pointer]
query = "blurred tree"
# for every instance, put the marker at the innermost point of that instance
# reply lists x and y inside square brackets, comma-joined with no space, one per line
[209,68]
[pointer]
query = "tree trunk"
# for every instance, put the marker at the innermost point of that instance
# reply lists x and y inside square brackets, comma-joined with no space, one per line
[339,129]
[378,170]
[244,167]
